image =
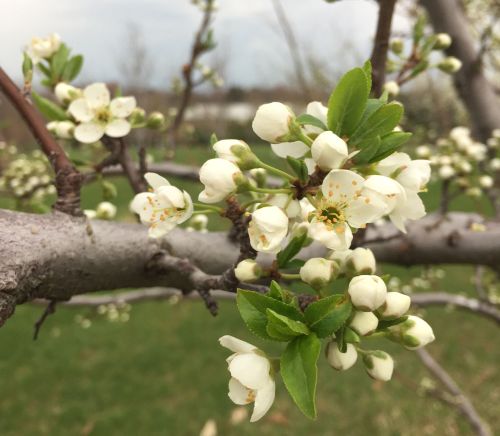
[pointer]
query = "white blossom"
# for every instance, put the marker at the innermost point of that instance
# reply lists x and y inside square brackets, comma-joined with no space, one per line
[360,261]
[329,151]
[486,181]
[446,172]
[395,306]
[252,377]
[392,88]
[267,229]
[105,210]
[318,272]
[367,292]
[364,323]
[272,122]
[43,48]
[319,111]
[415,332]
[164,208]
[338,360]
[296,149]
[220,179]
[379,365]
[66,93]
[99,115]
[411,174]
[226,149]
[248,270]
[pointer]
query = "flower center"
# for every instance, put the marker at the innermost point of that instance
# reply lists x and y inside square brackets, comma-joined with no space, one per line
[103,115]
[331,214]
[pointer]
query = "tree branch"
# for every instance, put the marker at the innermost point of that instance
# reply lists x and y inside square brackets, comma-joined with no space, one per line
[68,179]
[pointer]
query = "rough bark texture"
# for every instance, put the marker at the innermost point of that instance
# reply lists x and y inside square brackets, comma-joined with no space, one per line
[56,256]
[474,89]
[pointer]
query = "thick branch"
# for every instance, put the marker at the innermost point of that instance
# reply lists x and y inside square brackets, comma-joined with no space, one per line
[68,179]
[381,45]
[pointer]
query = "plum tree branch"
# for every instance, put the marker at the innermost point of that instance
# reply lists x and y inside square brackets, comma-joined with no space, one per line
[68,180]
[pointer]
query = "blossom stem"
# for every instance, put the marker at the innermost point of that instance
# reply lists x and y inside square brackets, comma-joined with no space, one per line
[289,276]
[205,211]
[206,207]
[250,202]
[277,171]
[304,138]
[270,190]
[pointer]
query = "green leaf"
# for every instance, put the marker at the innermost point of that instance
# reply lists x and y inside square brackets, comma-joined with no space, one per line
[58,62]
[299,167]
[49,109]
[253,306]
[291,250]
[369,149]
[418,29]
[389,144]
[340,339]
[72,68]
[386,323]
[43,68]
[372,105]
[295,264]
[300,372]
[327,315]
[367,68]
[275,291]
[347,102]
[350,336]
[213,139]
[306,119]
[283,328]
[27,67]
[379,123]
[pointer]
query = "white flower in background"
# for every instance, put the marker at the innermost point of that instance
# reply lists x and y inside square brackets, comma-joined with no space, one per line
[486,182]
[364,323]
[392,88]
[252,378]
[379,365]
[338,360]
[344,204]
[414,332]
[450,65]
[461,136]
[283,201]
[66,93]
[360,261]
[267,229]
[272,122]
[90,214]
[411,174]
[164,208]
[105,210]
[220,179]
[446,172]
[99,115]
[43,48]
[443,41]
[198,223]
[367,292]
[423,151]
[329,151]
[62,129]
[248,270]
[319,111]
[395,306]
[402,205]
[226,148]
[318,272]
[209,429]
[495,164]
[477,151]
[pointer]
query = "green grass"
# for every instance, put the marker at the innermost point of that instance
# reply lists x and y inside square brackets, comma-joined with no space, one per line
[163,372]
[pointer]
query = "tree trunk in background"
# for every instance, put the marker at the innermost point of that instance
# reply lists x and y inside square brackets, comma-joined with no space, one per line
[474,89]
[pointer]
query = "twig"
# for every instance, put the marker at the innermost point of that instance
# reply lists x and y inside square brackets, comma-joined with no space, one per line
[49,310]
[68,179]
[471,304]
[460,400]
[131,171]
[381,45]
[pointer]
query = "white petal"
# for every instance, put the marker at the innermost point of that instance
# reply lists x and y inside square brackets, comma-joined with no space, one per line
[122,107]
[251,370]
[160,229]
[172,196]
[155,180]
[210,196]
[391,163]
[294,149]
[139,202]
[318,110]
[338,238]
[236,345]
[363,210]
[263,400]
[89,132]
[238,393]
[341,185]
[81,111]
[96,95]
[118,128]
[270,219]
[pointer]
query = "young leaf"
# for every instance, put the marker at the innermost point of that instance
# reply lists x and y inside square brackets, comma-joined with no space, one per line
[72,68]
[381,122]
[275,291]
[369,149]
[252,307]
[299,167]
[383,324]
[306,119]
[389,144]
[50,110]
[291,250]
[283,328]
[213,139]
[367,68]
[58,62]
[300,373]
[43,69]
[347,102]
[327,315]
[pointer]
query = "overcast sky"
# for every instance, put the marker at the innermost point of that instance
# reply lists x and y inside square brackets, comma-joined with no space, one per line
[246,30]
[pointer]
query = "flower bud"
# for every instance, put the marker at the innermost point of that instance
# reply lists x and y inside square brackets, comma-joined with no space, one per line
[272,122]
[364,323]
[220,178]
[360,261]
[395,306]
[450,65]
[248,270]
[318,272]
[329,151]
[486,181]
[367,292]
[446,172]
[340,256]
[260,176]
[443,41]
[397,45]
[267,229]
[138,116]
[414,333]
[199,222]
[65,93]
[392,88]
[105,210]
[64,129]
[423,151]
[338,360]
[156,121]
[379,365]
[90,214]
[236,151]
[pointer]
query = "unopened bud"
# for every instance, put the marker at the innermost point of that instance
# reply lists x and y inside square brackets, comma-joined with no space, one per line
[395,306]
[450,65]
[392,88]
[367,292]
[338,360]
[156,121]
[397,45]
[360,261]
[443,41]
[414,333]
[486,181]
[318,272]
[364,323]
[105,210]
[138,116]
[378,364]
[260,176]
[248,270]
